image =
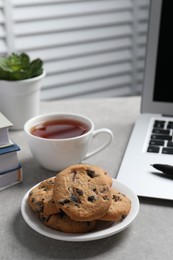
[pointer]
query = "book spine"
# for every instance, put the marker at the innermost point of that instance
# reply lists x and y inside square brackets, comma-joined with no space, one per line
[4,172]
[13,178]
[9,149]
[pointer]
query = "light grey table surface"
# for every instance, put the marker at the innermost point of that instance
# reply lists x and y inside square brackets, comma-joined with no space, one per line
[150,236]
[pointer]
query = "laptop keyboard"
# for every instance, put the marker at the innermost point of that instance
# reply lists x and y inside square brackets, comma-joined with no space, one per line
[161,140]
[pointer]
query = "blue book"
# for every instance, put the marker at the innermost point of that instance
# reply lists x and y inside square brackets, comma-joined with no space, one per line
[9,158]
[9,149]
[10,178]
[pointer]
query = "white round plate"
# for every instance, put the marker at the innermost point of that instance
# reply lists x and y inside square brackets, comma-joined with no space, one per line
[104,230]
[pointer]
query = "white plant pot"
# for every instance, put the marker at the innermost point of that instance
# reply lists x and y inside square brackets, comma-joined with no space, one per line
[20,100]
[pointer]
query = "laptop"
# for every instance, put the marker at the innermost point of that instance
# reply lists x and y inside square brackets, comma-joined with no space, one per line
[151,139]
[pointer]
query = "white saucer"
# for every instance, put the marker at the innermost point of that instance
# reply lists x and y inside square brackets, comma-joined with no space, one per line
[107,229]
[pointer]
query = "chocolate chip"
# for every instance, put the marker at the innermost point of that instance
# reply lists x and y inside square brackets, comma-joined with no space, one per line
[104,190]
[91,173]
[105,198]
[95,190]
[116,198]
[91,198]
[123,217]
[44,219]
[74,199]
[65,201]
[74,175]
[40,207]
[79,192]
[61,214]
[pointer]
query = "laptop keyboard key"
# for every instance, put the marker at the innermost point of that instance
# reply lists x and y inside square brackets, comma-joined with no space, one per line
[159,124]
[170,144]
[161,131]
[156,142]
[166,150]
[161,137]
[170,125]
[153,149]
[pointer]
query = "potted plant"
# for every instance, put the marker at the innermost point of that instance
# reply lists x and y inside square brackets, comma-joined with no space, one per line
[20,82]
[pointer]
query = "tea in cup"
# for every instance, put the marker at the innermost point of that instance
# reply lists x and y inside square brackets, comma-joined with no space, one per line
[58,140]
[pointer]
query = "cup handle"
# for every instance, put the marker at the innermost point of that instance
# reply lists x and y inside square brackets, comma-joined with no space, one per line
[103,146]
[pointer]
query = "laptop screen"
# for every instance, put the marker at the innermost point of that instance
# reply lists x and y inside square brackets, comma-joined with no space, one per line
[157,95]
[163,90]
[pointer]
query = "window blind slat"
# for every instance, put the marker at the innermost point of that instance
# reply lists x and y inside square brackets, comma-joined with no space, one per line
[72,23]
[87,75]
[88,61]
[68,9]
[88,48]
[64,38]
[39,2]
[85,87]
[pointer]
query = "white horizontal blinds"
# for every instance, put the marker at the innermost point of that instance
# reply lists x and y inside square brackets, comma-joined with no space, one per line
[87,46]
[141,17]
[3,40]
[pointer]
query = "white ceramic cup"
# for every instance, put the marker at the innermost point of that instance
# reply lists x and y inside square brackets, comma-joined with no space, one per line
[57,154]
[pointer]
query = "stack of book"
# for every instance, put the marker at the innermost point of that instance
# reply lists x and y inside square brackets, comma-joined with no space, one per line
[10,168]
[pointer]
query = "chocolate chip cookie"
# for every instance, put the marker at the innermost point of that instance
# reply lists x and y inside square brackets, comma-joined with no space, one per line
[41,200]
[62,222]
[83,192]
[120,207]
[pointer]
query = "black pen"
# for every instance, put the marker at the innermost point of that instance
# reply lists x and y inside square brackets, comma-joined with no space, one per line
[164,168]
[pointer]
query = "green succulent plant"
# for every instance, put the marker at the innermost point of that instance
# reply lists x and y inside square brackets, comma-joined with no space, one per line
[19,67]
